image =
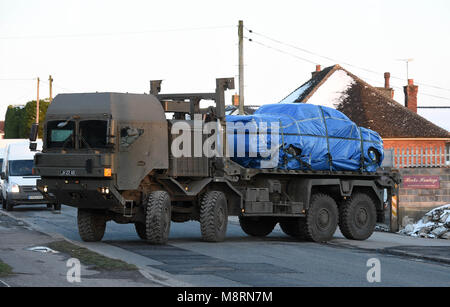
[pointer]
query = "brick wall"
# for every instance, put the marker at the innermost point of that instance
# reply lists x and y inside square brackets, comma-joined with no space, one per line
[414,203]
[414,143]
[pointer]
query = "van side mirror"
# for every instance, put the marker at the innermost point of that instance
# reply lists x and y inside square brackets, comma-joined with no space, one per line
[34,132]
[33,146]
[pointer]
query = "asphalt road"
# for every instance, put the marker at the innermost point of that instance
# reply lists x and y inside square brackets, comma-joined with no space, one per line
[245,261]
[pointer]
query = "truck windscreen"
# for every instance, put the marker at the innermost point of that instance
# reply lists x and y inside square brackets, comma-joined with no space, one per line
[93,133]
[21,167]
[60,134]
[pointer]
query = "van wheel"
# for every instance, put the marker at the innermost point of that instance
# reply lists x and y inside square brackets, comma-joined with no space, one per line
[321,218]
[257,226]
[91,225]
[295,227]
[9,206]
[358,217]
[158,213]
[213,216]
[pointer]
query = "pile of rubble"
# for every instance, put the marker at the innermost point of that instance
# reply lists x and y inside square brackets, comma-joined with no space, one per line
[435,224]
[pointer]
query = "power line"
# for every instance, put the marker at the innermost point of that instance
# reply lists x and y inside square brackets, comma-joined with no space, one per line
[335,60]
[434,107]
[279,50]
[310,52]
[434,96]
[80,35]
[16,79]
[309,61]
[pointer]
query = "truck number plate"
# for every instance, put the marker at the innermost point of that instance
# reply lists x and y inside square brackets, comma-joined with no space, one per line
[67,172]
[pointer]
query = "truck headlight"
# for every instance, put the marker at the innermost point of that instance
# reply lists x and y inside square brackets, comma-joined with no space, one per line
[15,188]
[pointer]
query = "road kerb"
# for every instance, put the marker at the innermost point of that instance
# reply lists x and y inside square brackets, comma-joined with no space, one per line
[154,275]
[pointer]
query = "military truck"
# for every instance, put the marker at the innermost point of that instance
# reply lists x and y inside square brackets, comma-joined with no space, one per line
[108,154]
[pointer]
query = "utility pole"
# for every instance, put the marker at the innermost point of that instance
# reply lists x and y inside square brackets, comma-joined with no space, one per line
[37,102]
[241,67]
[50,81]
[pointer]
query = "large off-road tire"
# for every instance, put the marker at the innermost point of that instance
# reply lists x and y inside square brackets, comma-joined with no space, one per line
[91,225]
[257,226]
[294,227]
[358,217]
[158,216]
[213,216]
[141,230]
[321,218]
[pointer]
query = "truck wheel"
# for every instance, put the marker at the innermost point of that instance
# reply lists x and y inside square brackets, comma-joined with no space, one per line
[141,230]
[57,207]
[213,216]
[3,202]
[294,227]
[158,214]
[358,217]
[91,225]
[321,218]
[257,226]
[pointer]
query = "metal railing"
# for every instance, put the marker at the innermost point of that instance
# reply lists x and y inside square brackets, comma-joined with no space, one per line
[417,157]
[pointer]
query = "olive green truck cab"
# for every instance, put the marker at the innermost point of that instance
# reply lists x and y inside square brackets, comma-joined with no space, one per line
[111,156]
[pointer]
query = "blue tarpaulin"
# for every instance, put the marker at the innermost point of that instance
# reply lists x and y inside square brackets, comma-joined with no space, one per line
[299,136]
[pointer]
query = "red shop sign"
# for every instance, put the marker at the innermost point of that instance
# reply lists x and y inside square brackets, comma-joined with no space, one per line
[421,182]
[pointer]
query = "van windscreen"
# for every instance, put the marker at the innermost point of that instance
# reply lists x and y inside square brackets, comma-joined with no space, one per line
[21,167]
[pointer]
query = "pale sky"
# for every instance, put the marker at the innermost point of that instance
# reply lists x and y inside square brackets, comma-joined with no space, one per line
[105,45]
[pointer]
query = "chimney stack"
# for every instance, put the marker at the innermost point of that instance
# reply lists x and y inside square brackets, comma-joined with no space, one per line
[411,91]
[387,79]
[387,90]
[318,69]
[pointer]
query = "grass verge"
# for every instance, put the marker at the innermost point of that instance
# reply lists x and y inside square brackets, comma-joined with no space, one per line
[90,258]
[5,269]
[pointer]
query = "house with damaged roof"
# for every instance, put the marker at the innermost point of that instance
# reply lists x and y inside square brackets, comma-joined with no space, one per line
[401,128]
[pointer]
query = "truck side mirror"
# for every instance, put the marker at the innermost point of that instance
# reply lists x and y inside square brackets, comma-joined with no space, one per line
[3,175]
[34,132]
[33,146]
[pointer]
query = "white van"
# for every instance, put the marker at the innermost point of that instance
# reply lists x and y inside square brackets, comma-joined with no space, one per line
[18,182]
[3,144]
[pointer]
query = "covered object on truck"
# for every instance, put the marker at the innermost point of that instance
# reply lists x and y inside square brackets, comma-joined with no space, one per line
[299,136]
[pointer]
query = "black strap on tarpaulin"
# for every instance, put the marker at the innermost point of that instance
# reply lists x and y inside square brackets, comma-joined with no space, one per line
[303,164]
[361,162]
[330,158]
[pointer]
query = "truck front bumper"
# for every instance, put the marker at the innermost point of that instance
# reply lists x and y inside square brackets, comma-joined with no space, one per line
[79,193]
